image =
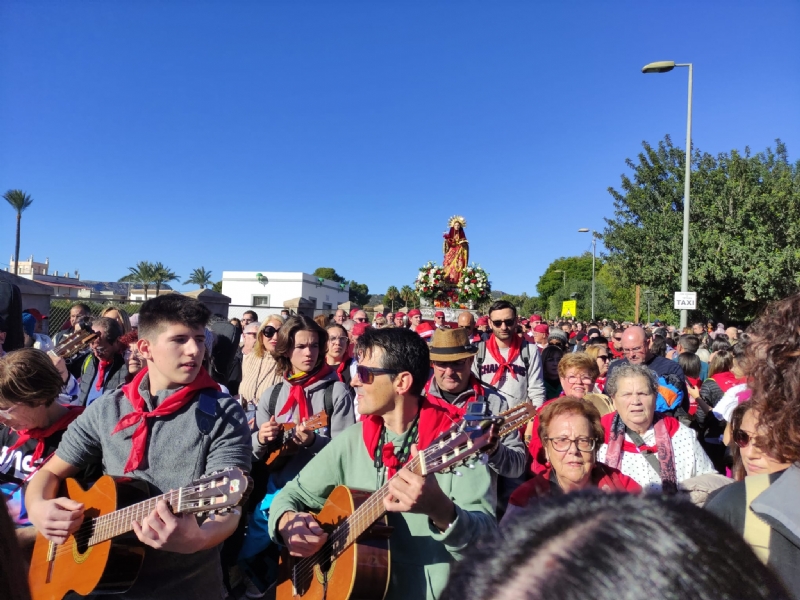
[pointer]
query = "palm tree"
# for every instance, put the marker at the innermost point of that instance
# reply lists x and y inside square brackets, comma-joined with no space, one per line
[407,294]
[391,295]
[143,273]
[19,200]
[162,275]
[200,277]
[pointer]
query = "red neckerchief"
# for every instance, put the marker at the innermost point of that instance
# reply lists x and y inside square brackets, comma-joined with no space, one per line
[169,406]
[503,363]
[41,434]
[436,416]
[614,352]
[600,382]
[726,380]
[603,477]
[474,383]
[340,368]
[297,394]
[695,381]
[101,374]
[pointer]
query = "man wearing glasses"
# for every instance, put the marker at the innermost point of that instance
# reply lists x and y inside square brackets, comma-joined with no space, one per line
[509,362]
[434,517]
[636,349]
[616,343]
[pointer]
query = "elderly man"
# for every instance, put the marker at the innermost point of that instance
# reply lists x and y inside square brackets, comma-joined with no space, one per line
[105,368]
[467,320]
[249,336]
[340,317]
[438,320]
[733,334]
[360,316]
[636,348]
[540,334]
[390,319]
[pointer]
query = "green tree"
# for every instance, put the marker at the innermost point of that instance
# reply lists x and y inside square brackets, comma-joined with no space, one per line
[217,287]
[744,235]
[391,295]
[200,277]
[359,292]
[408,295]
[330,274]
[19,201]
[143,273]
[162,275]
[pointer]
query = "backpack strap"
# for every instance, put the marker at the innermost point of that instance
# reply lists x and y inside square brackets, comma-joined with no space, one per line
[756,531]
[525,353]
[206,413]
[328,399]
[481,356]
[273,398]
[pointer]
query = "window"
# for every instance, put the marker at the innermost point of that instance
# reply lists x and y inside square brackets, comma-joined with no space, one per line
[260,301]
[313,301]
[327,306]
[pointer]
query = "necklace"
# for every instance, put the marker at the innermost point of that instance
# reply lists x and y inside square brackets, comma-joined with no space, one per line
[403,453]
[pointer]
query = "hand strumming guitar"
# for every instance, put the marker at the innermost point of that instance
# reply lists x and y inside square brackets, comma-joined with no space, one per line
[269,431]
[56,519]
[301,533]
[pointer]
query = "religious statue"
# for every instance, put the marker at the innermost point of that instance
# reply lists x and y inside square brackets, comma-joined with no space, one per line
[456,249]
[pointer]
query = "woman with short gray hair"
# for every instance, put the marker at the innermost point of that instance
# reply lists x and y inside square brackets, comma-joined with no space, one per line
[654,449]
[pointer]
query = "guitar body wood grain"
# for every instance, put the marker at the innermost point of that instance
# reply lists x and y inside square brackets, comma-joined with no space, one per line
[361,572]
[107,567]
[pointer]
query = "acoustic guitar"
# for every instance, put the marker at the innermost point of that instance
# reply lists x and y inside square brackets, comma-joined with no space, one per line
[354,562]
[278,457]
[76,341]
[103,556]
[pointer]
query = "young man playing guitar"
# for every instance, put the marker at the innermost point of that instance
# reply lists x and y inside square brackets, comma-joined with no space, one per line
[151,430]
[435,517]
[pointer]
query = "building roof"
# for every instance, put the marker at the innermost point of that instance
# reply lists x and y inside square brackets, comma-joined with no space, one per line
[207,295]
[26,286]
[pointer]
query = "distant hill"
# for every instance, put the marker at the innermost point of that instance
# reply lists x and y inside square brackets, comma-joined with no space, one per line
[497,294]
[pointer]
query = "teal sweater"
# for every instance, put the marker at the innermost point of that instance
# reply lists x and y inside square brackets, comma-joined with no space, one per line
[420,554]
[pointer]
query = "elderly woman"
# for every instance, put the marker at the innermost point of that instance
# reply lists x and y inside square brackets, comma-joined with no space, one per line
[656,450]
[259,369]
[571,431]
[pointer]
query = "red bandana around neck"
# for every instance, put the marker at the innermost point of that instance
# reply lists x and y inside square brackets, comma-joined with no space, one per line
[504,363]
[171,404]
[435,417]
[101,374]
[297,394]
[340,368]
[41,434]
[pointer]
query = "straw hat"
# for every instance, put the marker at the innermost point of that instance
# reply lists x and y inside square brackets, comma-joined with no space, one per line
[450,345]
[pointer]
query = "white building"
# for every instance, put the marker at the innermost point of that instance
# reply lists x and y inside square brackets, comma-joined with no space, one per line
[269,292]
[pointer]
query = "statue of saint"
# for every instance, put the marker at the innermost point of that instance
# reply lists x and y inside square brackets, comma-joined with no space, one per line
[456,249]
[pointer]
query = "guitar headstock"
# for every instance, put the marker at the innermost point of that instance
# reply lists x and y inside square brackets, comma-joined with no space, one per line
[76,341]
[516,417]
[217,493]
[317,421]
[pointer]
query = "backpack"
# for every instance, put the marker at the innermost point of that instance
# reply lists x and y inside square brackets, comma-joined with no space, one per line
[525,354]
[327,399]
[670,395]
[223,354]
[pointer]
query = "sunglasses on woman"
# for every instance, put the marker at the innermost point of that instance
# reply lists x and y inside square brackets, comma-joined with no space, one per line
[367,374]
[269,331]
[742,438]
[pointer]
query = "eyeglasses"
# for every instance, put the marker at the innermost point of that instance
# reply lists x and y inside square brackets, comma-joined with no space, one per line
[562,444]
[742,439]
[508,322]
[367,374]
[581,378]
[617,339]
[342,339]
[360,320]
[632,350]
[269,331]
[603,357]
[453,364]
[6,412]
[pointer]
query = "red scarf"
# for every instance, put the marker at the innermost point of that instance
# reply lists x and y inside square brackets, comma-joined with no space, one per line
[169,406]
[40,435]
[502,363]
[603,477]
[340,368]
[614,352]
[101,374]
[474,383]
[297,394]
[436,416]
[726,380]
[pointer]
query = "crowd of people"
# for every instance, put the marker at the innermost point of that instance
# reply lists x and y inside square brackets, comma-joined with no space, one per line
[659,462]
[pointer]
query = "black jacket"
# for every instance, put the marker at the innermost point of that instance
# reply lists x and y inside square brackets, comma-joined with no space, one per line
[114,376]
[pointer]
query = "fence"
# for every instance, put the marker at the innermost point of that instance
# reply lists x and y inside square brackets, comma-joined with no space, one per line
[59,310]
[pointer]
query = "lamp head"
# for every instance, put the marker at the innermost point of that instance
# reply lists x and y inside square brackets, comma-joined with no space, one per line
[583,230]
[659,67]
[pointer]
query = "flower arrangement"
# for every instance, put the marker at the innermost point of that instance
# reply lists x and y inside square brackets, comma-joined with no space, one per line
[474,284]
[431,283]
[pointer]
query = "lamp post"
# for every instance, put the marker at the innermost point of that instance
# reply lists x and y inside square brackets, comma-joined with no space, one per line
[563,279]
[664,67]
[594,252]
[648,294]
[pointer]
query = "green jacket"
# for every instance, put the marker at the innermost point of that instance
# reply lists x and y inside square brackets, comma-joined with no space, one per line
[420,554]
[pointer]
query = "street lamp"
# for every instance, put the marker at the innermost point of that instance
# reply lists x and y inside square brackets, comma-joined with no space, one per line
[594,251]
[648,294]
[564,273]
[663,67]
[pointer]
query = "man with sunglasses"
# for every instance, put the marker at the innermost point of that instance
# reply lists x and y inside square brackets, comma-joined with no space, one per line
[507,361]
[434,517]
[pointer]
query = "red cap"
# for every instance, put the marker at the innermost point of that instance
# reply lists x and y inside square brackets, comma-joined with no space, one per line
[536,317]
[482,321]
[398,315]
[353,311]
[32,311]
[414,312]
[425,330]
[378,315]
[360,328]
[439,313]
[541,328]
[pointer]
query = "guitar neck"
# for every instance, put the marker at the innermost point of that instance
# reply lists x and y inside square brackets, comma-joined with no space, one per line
[121,521]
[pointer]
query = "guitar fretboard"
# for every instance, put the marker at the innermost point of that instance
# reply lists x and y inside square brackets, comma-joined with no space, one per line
[120,521]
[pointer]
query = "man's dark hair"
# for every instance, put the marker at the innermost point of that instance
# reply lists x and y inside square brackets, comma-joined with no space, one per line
[603,546]
[689,342]
[173,309]
[690,363]
[111,326]
[251,312]
[84,307]
[403,350]
[597,341]
[658,346]
[501,305]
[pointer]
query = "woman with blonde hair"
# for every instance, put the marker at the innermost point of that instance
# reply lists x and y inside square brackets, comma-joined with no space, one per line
[119,315]
[259,369]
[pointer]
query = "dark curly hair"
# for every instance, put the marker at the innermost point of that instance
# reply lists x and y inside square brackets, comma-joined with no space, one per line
[773,368]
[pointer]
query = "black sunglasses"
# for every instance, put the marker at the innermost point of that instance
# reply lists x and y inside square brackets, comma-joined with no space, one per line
[360,320]
[367,374]
[269,331]
[508,322]
[742,438]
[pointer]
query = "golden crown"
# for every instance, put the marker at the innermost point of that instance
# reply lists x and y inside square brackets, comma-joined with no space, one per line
[457,219]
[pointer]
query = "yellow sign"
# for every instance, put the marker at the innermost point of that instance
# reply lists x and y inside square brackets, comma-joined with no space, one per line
[569,308]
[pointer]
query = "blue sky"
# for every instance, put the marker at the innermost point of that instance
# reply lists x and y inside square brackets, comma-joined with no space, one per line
[283,136]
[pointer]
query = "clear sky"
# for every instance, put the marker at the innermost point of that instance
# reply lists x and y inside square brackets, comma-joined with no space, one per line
[283,136]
